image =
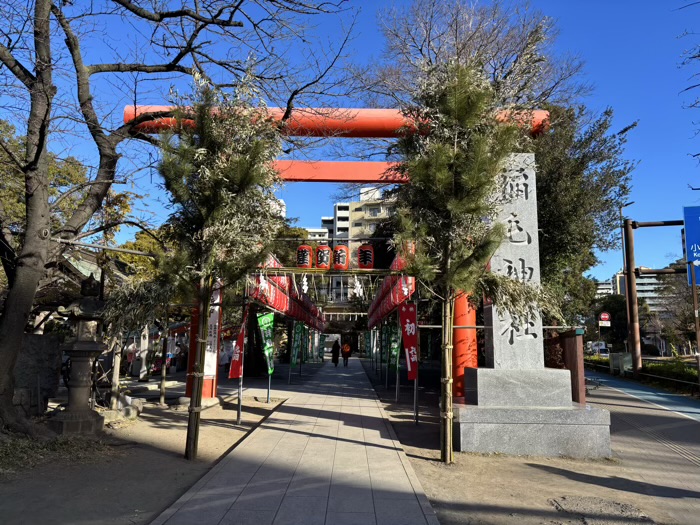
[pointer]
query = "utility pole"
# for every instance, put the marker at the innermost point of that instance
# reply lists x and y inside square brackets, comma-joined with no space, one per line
[634,344]
[624,269]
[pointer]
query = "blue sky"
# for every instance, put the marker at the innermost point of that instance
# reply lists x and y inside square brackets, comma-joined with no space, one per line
[632,50]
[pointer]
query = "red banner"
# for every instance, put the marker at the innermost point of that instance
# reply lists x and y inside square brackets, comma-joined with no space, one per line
[409,333]
[236,370]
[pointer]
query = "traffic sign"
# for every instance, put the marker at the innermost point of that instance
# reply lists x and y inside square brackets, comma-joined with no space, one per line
[604,316]
[691,220]
[603,323]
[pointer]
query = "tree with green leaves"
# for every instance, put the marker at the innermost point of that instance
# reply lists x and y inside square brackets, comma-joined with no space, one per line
[449,207]
[582,176]
[220,178]
[582,181]
[678,320]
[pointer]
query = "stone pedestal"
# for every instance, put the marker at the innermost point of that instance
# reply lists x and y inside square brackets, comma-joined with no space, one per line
[578,431]
[516,405]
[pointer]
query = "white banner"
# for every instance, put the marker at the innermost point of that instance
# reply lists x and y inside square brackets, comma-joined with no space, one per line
[211,357]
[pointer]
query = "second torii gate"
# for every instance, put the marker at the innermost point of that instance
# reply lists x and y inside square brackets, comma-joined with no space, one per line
[355,123]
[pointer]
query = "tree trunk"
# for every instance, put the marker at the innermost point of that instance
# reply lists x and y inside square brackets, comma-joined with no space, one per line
[446,445]
[195,408]
[32,258]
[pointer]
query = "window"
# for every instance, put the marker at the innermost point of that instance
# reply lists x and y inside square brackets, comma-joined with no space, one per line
[343,208]
[374,211]
[357,225]
[342,230]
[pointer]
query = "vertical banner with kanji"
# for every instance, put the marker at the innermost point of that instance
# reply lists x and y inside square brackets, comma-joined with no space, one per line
[297,338]
[236,370]
[409,333]
[385,341]
[321,346]
[211,356]
[368,343]
[307,342]
[266,323]
[394,344]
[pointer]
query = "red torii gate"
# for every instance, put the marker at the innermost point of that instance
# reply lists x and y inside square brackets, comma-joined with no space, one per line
[333,122]
[358,123]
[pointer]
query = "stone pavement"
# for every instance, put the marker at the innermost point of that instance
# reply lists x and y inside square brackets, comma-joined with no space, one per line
[328,455]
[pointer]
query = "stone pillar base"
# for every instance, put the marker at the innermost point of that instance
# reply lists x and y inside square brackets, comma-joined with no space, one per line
[544,387]
[577,431]
[78,422]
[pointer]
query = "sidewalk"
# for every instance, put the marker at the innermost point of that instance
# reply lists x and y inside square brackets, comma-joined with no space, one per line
[328,455]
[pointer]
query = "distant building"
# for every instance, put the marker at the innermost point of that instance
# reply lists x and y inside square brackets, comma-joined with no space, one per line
[649,288]
[603,289]
[352,224]
[365,215]
[319,235]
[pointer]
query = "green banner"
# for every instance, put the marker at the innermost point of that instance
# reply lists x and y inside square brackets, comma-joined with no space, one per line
[266,322]
[297,336]
[394,344]
[385,342]
[368,343]
[306,344]
[321,346]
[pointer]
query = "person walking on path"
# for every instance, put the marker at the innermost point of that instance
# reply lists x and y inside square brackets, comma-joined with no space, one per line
[346,354]
[335,352]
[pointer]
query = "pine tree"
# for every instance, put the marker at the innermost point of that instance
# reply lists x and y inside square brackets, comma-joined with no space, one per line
[454,160]
[220,177]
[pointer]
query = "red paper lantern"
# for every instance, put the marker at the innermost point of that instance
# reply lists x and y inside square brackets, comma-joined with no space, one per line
[323,257]
[305,256]
[341,258]
[365,257]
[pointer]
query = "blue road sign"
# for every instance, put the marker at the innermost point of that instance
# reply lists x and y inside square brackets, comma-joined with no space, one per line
[691,218]
[691,237]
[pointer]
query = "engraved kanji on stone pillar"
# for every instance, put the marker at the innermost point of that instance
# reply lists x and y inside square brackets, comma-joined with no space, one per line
[516,344]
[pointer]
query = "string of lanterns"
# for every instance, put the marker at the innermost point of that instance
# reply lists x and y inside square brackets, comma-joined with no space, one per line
[338,257]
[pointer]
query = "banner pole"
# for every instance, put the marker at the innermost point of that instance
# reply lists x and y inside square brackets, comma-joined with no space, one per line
[398,356]
[388,356]
[415,400]
[239,412]
[269,386]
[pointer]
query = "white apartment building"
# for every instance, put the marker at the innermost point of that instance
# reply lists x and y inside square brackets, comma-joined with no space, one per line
[351,225]
[603,289]
[648,288]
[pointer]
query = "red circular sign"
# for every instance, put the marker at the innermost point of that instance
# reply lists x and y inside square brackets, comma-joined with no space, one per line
[604,316]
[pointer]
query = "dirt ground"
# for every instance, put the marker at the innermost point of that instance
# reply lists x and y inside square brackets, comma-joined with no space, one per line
[136,471]
[139,470]
[505,490]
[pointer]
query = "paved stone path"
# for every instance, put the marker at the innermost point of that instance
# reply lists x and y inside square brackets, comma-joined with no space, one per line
[327,456]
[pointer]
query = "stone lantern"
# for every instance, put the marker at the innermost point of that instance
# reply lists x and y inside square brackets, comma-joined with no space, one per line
[85,318]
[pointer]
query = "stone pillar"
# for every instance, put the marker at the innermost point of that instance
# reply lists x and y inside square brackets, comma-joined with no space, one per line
[515,405]
[515,373]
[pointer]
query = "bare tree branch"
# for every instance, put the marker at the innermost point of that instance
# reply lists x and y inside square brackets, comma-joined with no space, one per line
[159,16]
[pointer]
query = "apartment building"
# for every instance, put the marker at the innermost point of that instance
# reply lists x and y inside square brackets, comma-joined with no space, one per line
[603,289]
[648,288]
[352,224]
